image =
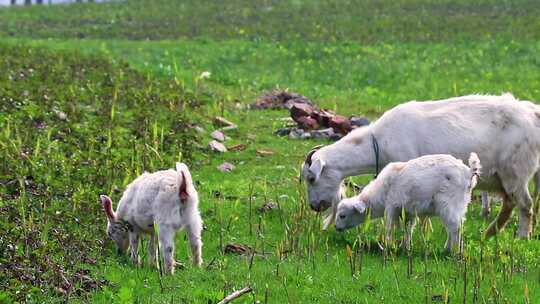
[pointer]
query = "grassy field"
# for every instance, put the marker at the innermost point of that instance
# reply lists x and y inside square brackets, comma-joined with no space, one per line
[127,102]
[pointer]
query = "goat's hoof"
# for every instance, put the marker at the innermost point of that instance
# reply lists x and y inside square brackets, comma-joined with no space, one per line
[198,263]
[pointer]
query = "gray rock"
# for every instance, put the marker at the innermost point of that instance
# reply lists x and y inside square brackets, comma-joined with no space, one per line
[226,167]
[324,133]
[283,131]
[199,129]
[222,122]
[296,133]
[229,128]
[218,135]
[267,207]
[215,145]
[336,136]
[359,121]
[305,135]
[61,115]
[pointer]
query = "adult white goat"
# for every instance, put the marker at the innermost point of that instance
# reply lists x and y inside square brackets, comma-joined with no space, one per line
[504,132]
[167,199]
[430,185]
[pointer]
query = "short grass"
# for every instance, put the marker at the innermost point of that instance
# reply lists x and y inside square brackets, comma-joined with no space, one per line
[367,21]
[361,72]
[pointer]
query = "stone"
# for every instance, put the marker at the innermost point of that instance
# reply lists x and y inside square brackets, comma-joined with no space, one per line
[229,128]
[61,115]
[307,123]
[218,135]
[299,110]
[359,121]
[324,133]
[222,122]
[336,136]
[305,135]
[283,131]
[296,100]
[237,248]
[199,129]
[226,167]
[278,99]
[323,117]
[238,147]
[215,145]
[262,152]
[267,207]
[340,124]
[295,133]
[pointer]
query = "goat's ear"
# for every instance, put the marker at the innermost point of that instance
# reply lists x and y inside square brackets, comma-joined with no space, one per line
[359,206]
[106,202]
[310,154]
[316,168]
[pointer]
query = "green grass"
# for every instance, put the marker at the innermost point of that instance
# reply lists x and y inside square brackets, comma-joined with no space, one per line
[127,113]
[347,77]
[367,21]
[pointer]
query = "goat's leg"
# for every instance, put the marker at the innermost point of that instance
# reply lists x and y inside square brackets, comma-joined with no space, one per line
[503,216]
[454,238]
[194,235]
[524,201]
[452,242]
[390,221]
[152,249]
[486,206]
[536,198]
[410,223]
[166,235]
[134,247]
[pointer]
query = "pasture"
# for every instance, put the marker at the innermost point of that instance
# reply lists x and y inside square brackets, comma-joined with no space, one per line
[92,95]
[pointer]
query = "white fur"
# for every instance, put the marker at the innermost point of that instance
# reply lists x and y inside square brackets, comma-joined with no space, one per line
[503,131]
[432,185]
[154,199]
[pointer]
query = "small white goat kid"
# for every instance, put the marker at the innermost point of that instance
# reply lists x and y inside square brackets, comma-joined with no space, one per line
[164,198]
[430,185]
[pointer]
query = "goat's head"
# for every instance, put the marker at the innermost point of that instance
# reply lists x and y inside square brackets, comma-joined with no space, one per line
[351,212]
[117,229]
[324,184]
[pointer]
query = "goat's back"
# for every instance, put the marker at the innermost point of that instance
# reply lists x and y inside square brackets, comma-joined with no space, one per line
[495,127]
[423,178]
[142,193]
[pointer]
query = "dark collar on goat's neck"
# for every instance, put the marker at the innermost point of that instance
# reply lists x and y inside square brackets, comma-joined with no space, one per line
[375,146]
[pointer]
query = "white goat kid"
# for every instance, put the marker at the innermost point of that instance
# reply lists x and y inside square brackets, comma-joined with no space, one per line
[504,132]
[431,185]
[167,199]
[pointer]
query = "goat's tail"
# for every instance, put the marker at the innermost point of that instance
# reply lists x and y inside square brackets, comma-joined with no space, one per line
[475,167]
[186,182]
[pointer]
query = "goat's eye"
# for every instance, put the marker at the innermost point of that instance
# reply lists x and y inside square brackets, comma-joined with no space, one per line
[311,179]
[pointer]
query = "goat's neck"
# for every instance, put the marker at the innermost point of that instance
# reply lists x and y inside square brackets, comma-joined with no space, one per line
[354,154]
[374,199]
